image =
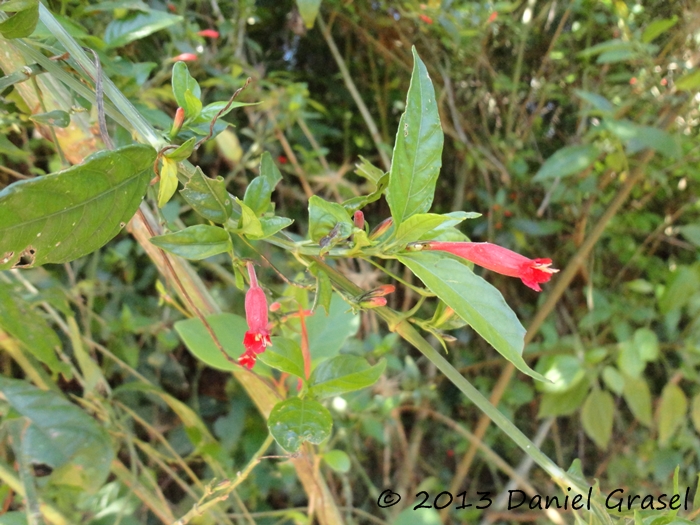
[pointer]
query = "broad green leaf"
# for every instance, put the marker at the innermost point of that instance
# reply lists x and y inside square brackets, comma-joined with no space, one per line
[689,81]
[613,379]
[136,26]
[30,329]
[23,22]
[338,460]
[673,409]
[182,82]
[249,224]
[284,355]
[695,412]
[195,242]
[417,157]
[567,161]
[474,300]
[324,216]
[648,344]
[599,102]
[270,226]
[258,195]
[229,329]
[639,137]
[208,197]
[168,181]
[597,417]
[421,225]
[564,372]
[683,283]
[269,170]
[296,420]
[60,217]
[638,398]
[343,373]
[328,333]
[658,28]
[182,152]
[691,232]
[60,435]
[57,118]
[308,9]
[629,360]
[565,403]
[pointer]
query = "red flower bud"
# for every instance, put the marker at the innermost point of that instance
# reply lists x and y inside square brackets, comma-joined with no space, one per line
[381,291]
[381,228]
[426,19]
[178,121]
[492,17]
[282,159]
[498,259]
[359,220]
[209,33]
[258,336]
[185,57]
[374,302]
[275,306]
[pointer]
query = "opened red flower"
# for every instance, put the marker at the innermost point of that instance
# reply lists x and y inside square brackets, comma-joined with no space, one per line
[500,260]
[258,336]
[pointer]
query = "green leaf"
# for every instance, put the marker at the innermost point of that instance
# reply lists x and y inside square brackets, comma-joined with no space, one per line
[564,372]
[599,102]
[418,226]
[249,223]
[564,403]
[193,106]
[658,28]
[183,151]
[647,343]
[57,118]
[324,289]
[182,82]
[23,22]
[324,217]
[683,283]
[369,171]
[284,355]
[195,242]
[614,380]
[327,334]
[689,81]
[417,157]
[344,373]
[673,409]
[308,9]
[355,203]
[229,329]
[60,217]
[258,195]
[695,412]
[639,137]
[638,398]
[270,226]
[168,181]
[567,161]
[597,417]
[691,232]
[296,420]
[136,26]
[208,197]
[474,300]
[212,110]
[30,329]
[338,460]
[60,435]
[629,360]
[269,170]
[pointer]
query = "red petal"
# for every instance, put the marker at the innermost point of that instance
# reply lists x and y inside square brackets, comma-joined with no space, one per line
[247,359]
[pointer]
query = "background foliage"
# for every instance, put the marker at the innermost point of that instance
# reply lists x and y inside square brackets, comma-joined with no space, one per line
[572,128]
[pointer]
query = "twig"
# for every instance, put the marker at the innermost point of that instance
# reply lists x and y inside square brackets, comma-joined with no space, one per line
[221,111]
[99,97]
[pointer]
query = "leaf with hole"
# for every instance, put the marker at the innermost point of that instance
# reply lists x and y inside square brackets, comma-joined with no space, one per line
[60,435]
[294,421]
[343,373]
[195,242]
[208,197]
[63,216]
[417,157]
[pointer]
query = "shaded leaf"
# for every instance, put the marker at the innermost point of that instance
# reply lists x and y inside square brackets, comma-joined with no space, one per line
[417,157]
[673,408]
[638,398]
[60,217]
[597,417]
[567,161]
[639,137]
[284,355]
[474,300]
[599,102]
[296,420]
[136,26]
[195,242]
[564,403]
[57,118]
[208,197]
[324,216]
[338,460]
[308,9]
[689,81]
[229,330]
[344,373]
[327,334]
[658,28]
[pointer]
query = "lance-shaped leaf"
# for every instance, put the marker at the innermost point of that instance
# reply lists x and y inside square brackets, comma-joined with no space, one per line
[196,242]
[417,157]
[60,217]
[208,197]
[474,300]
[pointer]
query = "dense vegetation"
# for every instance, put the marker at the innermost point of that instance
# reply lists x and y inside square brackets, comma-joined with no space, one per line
[256,132]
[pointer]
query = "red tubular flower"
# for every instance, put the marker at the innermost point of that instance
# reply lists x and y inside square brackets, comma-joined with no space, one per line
[501,260]
[185,57]
[258,336]
[209,33]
